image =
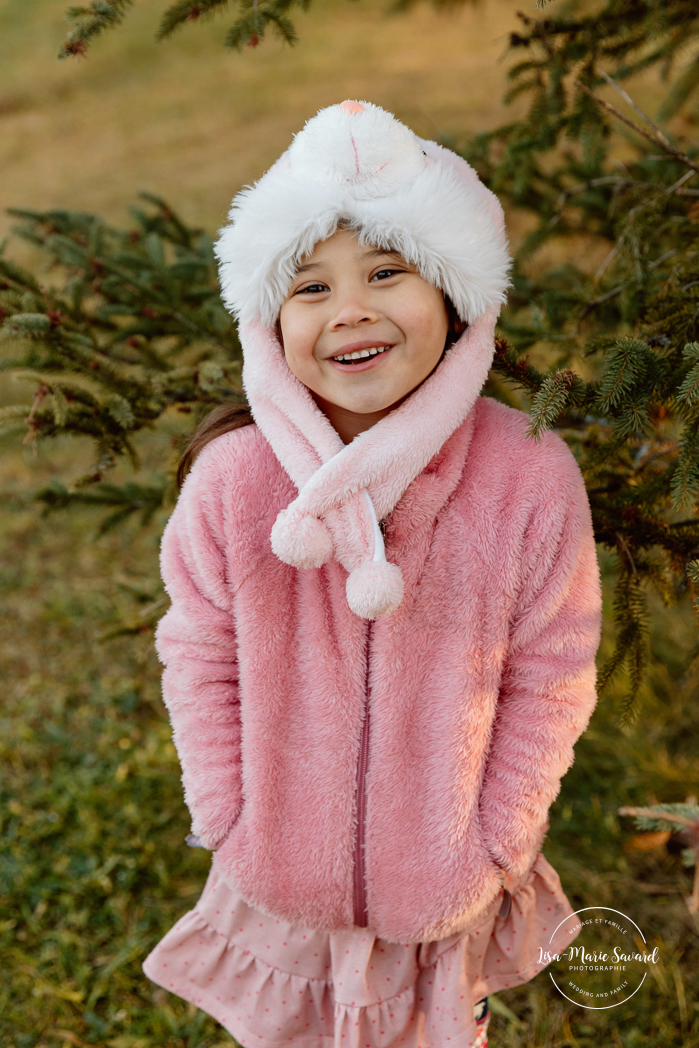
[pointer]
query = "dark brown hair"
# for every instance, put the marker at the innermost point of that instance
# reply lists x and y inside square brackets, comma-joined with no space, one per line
[226,417]
[222,419]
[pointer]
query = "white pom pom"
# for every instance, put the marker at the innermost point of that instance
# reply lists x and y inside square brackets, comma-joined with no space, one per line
[300,540]
[374,589]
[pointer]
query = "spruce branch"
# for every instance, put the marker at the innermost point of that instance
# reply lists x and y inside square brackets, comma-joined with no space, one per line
[660,135]
[129,499]
[685,482]
[628,365]
[187,11]
[257,17]
[631,649]
[655,136]
[689,390]
[520,371]
[151,290]
[583,187]
[555,394]
[623,545]
[90,22]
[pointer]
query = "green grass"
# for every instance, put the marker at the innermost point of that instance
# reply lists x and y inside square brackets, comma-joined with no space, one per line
[93,865]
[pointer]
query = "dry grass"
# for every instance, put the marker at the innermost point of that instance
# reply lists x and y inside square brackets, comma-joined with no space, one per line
[192,121]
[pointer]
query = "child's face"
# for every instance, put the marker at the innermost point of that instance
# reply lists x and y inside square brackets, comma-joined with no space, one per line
[348,297]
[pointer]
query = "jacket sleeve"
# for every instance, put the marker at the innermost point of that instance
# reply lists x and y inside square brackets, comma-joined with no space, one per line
[547,691]
[195,640]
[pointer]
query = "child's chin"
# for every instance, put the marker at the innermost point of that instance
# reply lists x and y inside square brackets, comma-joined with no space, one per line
[367,405]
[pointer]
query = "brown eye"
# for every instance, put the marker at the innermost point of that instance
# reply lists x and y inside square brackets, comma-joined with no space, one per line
[313,289]
[383,274]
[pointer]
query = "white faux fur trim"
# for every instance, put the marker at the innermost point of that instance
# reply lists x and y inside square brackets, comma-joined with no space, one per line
[370,171]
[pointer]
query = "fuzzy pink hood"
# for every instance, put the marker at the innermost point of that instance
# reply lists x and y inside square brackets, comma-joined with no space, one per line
[357,163]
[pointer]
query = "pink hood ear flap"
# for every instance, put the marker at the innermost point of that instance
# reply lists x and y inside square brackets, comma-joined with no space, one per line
[344,489]
[301,540]
[374,588]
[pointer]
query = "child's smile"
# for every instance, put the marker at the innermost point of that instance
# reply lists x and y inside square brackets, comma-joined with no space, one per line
[360,355]
[361,329]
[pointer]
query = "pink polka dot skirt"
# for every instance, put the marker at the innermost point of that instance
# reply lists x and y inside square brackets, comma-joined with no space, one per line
[271,983]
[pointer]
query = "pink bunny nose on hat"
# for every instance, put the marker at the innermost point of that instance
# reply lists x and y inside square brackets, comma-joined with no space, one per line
[350,106]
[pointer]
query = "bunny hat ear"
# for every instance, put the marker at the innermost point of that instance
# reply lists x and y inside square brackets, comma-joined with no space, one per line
[355,163]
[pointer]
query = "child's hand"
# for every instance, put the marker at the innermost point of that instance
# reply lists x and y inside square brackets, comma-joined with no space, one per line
[193,841]
[510,882]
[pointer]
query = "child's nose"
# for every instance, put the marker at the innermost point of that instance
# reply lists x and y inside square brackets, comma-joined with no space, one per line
[353,311]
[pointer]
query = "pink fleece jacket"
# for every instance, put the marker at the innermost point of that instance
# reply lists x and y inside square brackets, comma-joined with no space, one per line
[394,773]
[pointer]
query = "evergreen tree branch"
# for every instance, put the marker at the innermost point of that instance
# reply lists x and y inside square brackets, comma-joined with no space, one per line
[187,11]
[520,371]
[68,335]
[554,395]
[631,617]
[660,135]
[656,138]
[129,499]
[91,22]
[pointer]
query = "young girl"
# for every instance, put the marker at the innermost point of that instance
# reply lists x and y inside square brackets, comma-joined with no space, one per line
[385,612]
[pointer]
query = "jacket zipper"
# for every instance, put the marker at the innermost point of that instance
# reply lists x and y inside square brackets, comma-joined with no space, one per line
[360,913]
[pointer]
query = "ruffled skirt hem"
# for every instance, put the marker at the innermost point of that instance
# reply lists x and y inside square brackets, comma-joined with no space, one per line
[271,983]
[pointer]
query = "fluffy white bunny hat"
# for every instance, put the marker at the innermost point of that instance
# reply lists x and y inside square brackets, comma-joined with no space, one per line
[355,164]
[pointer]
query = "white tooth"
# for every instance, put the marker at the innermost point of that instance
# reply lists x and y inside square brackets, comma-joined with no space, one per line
[361,353]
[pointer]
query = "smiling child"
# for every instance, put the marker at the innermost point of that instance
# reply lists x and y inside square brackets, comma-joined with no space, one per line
[385,612]
[347,305]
